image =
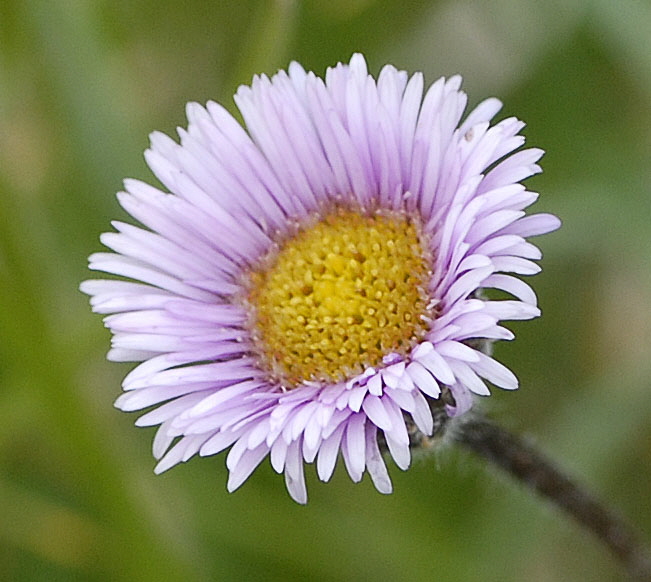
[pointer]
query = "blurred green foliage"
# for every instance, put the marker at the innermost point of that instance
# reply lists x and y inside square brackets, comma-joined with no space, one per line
[82,83]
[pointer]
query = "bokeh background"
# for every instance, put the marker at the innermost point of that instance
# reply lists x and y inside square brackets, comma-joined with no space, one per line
[82,83]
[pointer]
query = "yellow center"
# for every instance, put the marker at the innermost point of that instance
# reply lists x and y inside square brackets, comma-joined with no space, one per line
[338,296]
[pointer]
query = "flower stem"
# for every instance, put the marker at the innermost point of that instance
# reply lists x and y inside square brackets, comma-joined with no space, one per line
[529,466]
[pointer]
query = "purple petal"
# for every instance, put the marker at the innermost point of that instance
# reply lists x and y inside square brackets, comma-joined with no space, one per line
[375,464]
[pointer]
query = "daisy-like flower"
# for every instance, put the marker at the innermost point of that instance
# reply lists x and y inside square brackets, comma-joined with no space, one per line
[310,285]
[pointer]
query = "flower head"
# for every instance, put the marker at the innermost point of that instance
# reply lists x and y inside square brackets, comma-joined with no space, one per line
[311,285]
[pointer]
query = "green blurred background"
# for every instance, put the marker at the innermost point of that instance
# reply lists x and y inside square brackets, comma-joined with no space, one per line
[82,83]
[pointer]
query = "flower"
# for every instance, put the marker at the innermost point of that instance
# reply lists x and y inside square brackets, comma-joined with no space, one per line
[311,285]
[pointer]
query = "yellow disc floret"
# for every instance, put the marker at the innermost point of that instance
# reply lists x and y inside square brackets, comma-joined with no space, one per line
[339,295]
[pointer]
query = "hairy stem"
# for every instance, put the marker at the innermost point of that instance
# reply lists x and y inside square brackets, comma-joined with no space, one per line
[538,473]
